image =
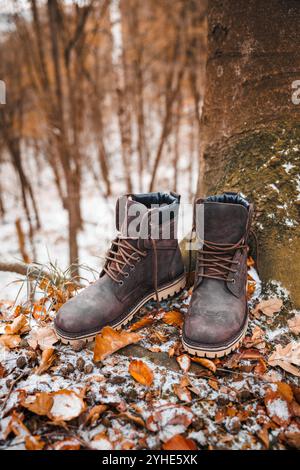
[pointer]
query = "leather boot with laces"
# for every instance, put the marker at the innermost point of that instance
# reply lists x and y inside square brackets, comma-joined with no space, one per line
[143,263]
[216,321]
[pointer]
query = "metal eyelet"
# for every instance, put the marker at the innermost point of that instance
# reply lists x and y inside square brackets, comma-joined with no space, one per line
[132,267]
[121,283]
[233,281]
[126,274]
[138,259]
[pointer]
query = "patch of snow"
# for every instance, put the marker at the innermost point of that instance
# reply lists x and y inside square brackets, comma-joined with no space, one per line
[272,334]
[198,436]
[280,290]
[290,222]
[288,167]
[101,444]
[279,408]
[298,187]
[66,406]
[274,187]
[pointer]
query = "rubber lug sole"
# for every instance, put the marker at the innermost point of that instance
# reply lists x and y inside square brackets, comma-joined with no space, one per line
[210,353]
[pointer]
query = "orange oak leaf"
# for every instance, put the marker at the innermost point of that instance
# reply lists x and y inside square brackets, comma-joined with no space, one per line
[205,363]
[110,341]
[34,443]
[40,404]
[179,442]
[95,413]
[141,372]
[173,318]
[10,341]
[17,325]
[182,393]
[47,360]
[145,321]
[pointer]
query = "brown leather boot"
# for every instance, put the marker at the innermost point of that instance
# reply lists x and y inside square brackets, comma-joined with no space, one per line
[143,263]
[217,318]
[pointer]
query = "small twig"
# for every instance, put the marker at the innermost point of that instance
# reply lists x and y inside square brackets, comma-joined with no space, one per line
[12,387]
[12,444]
[246,374]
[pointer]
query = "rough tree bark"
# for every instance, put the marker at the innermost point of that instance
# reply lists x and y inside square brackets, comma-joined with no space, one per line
[250,125]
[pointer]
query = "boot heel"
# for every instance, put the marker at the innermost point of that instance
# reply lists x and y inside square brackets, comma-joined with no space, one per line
[174,288]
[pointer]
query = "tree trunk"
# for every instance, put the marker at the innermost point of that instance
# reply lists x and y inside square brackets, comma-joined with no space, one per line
[250,125]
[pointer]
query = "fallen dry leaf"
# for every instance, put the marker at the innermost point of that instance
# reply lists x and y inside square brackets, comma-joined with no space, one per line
[40,404]
[296,392]
[101,442]
[268,307]
[131,417]
[293,439]
[110,341]
[182,393]
[295,409]
[294,324]
[250,262]
[176,349]
[145,321]
[18,428]
[47,360]
[34,443]
[141,372]
[184,362]
[256,340]
[261,367]
[263,435]
[285,391]
[67,444]
[95,413]
[43,337]
[205,363]
[173,318]
[179,442]
[17,325]
[277,408]
[2,371]
[285,357]
[59,406]
[39,312]
[169,415]
[66,405]
[213,384]
[10,341]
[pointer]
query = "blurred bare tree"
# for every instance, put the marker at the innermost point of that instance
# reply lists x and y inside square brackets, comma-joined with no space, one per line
[109,87]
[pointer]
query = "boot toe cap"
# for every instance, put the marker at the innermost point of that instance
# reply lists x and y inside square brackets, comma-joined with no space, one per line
[68,321]
[213,328]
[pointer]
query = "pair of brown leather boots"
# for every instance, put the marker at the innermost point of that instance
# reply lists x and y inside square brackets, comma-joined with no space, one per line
[145,262]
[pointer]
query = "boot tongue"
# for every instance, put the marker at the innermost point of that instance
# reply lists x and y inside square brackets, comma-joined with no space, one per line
[223,222]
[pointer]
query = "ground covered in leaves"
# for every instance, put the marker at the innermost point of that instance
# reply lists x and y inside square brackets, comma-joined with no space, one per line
[138,389]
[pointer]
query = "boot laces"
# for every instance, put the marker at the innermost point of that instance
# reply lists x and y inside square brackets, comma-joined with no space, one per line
[120,255]
[123,254]
[217,261]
